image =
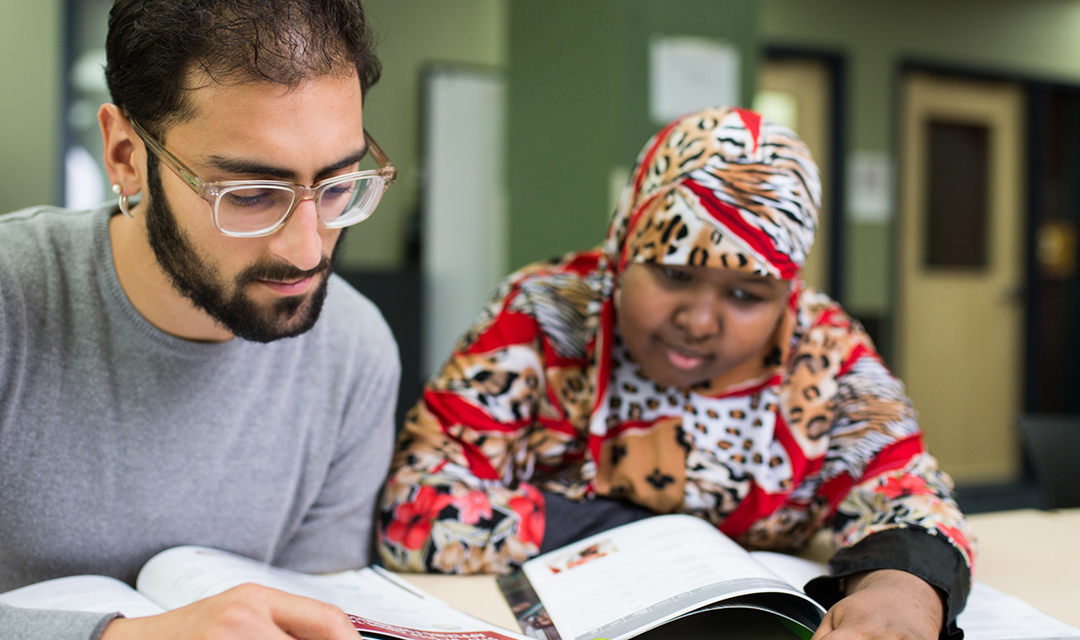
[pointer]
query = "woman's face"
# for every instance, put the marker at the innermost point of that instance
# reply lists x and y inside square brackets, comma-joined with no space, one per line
[686,325]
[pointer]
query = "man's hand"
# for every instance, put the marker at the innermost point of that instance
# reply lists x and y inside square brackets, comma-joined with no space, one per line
[885,604]
[247,612]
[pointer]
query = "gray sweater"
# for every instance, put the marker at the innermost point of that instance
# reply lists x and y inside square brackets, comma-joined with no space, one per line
[118,441]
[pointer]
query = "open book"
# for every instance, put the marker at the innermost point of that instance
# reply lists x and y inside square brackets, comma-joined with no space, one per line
[379,604]
[677,576]
[635,578]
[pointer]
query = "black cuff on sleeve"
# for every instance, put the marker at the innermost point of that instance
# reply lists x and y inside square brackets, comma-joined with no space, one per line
[932,558]
[568,521]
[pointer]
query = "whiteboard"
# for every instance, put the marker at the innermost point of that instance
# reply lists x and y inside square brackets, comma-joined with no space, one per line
[463,202]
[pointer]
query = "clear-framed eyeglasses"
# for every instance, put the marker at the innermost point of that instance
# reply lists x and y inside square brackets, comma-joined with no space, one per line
[252,208]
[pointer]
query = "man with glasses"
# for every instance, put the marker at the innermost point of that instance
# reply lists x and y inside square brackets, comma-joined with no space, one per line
[184,368]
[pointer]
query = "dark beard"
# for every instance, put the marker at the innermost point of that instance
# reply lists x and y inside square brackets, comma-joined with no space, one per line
[202,285]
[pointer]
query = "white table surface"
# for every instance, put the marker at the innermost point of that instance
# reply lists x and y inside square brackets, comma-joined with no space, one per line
[1033,555]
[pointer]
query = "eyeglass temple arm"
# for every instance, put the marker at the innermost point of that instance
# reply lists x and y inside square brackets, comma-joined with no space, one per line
[187,175]
[387,168]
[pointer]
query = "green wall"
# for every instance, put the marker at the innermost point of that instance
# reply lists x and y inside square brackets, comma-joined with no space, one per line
[1037,38]
[30,51]
[578,76]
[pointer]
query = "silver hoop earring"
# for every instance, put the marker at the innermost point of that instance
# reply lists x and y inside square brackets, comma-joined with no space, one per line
[123,201]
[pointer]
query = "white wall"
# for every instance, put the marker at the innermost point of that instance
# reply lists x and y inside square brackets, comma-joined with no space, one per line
[412,35]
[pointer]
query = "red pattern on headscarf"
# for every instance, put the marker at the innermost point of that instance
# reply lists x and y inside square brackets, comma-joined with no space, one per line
[752,120]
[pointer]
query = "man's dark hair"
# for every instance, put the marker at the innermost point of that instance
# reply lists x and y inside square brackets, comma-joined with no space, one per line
[157,48]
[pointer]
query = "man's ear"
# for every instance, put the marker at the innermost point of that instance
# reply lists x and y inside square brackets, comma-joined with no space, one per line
[124,159]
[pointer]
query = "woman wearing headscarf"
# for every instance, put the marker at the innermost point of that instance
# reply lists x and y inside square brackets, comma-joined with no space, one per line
[683,367]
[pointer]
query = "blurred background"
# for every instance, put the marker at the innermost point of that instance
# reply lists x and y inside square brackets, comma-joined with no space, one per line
[948,134]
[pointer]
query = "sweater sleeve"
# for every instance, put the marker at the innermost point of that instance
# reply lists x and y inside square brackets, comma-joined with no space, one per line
[12,336]
[457,499]
[41,624]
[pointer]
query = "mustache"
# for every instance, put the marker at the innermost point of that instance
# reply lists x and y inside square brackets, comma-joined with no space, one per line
[280,271]
[283,271]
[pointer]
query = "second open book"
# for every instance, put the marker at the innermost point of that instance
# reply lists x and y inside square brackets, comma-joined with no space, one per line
[379,604]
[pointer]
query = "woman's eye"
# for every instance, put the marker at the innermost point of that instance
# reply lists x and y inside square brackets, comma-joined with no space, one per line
[675,274]
[742,295]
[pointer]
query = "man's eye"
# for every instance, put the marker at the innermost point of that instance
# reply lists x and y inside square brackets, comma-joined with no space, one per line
[344,190]
[255,199]
[238,200]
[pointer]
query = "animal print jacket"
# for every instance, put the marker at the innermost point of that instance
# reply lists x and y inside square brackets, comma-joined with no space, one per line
[828,439]
[540,397]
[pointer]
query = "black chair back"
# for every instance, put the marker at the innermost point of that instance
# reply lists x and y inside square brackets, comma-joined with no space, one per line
[1053,448]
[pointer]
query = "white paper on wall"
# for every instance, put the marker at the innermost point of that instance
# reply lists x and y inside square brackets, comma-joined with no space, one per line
[870,187]
[689,73]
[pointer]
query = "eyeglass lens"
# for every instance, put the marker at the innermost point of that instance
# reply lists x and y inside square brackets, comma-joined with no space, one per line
[253,209]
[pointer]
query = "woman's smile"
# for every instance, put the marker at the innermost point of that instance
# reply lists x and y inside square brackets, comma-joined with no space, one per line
[682,358]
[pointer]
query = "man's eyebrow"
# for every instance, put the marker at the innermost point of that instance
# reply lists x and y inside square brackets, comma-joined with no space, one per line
[344,162]
[253,167]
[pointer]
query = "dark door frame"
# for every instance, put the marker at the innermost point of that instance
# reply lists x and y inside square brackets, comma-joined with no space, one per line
[1038,93]
[836,63]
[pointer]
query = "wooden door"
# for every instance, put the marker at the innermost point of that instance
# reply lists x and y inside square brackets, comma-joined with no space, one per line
[960,256]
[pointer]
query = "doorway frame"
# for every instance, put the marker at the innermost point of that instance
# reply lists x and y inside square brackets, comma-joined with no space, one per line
[836,62]
[1037,91]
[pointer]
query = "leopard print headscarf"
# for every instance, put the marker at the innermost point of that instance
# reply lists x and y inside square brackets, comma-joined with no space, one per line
[723,187]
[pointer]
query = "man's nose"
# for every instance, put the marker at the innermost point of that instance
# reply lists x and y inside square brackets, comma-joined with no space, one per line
[299,241]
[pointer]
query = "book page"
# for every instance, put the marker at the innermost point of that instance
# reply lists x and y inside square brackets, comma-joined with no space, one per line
[374,602]
[643,574]
[96,594]
[993,615]
[793,570]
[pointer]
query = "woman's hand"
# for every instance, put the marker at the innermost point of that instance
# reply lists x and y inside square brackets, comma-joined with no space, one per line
[885,604]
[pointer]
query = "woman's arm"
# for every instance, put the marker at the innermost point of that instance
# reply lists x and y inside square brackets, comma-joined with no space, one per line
[897,516]
[506,417]
[457,499]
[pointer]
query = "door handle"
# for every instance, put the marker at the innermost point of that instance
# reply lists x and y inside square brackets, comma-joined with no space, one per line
[1014,296]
